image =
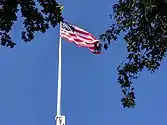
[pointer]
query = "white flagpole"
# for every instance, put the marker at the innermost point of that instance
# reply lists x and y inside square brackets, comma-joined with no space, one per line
[60,120]
[59,81]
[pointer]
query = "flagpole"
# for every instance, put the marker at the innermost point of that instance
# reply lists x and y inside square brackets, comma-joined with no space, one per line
[60,119]
[59,79]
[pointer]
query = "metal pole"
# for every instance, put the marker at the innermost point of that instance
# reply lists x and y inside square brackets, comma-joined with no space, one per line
[59,80]
[60,119]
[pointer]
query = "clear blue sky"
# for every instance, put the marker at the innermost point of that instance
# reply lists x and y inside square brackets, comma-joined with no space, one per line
[91,95]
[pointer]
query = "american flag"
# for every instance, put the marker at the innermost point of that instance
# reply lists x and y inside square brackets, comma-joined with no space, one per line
[80,37]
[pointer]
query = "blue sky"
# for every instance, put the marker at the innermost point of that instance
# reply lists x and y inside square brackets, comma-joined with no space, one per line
[90,93]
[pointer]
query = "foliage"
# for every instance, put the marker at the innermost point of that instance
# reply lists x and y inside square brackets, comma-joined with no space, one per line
[143,24]
[37,18]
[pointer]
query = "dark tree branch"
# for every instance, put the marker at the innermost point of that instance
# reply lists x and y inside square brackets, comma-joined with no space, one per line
[35,19]
[143,24]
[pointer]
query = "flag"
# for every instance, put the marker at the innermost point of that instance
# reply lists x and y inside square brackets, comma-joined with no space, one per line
[80,37]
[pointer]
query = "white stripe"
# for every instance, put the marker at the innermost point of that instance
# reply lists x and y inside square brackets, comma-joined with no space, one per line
[78,43]
[78,34]
[78,37]
[81,29]
[82,39]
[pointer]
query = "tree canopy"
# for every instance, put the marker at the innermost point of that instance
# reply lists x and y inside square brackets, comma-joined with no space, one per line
[38,15]
[142,22]
[144,27]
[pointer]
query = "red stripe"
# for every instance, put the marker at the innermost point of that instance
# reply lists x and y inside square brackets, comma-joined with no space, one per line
[66,36]
[73,34]
[74,38]
[80,36]
[77,41]
[85,33]
[82,32]
[77,38]
[92,49]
